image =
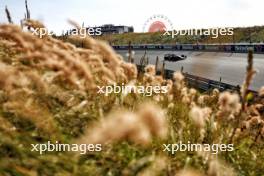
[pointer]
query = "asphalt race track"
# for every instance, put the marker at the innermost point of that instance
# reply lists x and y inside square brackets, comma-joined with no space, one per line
[231,67]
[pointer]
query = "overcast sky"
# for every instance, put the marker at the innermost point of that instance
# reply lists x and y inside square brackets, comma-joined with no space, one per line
[184,14]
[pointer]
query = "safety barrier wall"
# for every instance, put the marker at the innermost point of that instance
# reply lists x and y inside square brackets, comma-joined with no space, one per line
[201,83]
[235,48]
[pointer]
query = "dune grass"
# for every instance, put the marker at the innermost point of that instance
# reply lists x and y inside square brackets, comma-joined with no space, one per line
[48,93]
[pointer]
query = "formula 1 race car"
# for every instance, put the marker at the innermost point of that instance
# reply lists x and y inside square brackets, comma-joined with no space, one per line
[174,57]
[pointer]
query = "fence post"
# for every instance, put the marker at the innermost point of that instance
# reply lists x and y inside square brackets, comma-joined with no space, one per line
[163,70]
[157,63]
[129,51]
[209,85]
[220,83]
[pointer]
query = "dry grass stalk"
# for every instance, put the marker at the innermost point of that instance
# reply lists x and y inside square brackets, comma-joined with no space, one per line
[249,77]
[9,18]
[138,127]
[27,10]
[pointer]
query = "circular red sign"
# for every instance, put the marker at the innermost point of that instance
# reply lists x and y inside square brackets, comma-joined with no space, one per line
[157,26]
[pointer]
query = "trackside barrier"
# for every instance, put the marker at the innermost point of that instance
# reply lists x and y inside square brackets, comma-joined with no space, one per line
[232,48]
[201,83]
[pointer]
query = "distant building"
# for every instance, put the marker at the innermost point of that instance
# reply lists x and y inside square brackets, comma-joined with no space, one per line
[112,29]
[101,30]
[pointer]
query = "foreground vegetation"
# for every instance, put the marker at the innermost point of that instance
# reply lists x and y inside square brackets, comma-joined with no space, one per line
[49,93]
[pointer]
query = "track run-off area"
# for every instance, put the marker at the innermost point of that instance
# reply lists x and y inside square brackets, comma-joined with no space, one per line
[230,67]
